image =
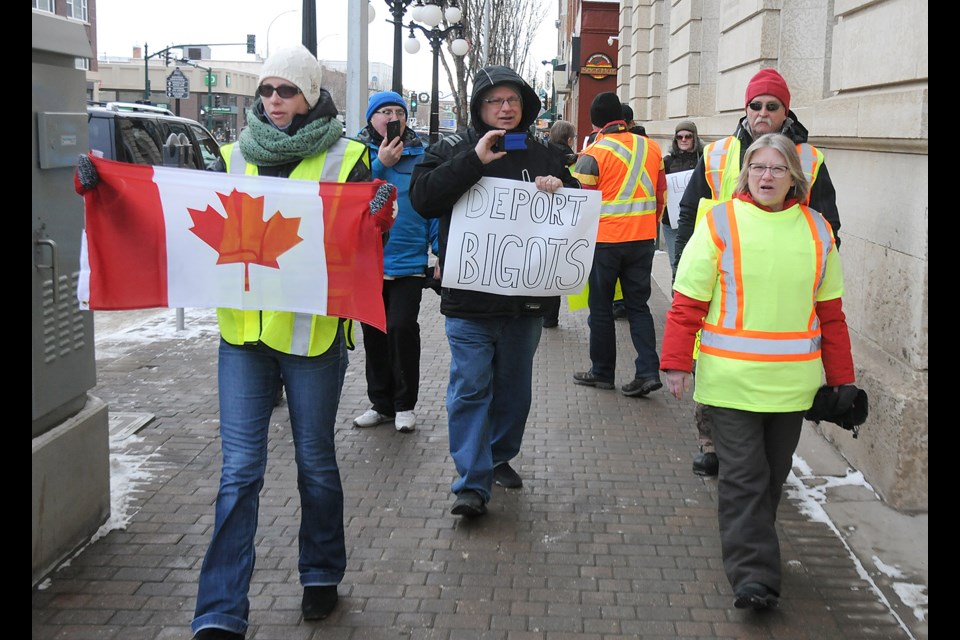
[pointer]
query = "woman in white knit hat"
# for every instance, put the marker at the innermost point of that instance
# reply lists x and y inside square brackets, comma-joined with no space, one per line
[292,132]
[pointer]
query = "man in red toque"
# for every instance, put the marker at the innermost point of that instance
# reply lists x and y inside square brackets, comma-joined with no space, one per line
[766,110]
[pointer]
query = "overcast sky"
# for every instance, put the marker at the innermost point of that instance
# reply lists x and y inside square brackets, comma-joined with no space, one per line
[124,24]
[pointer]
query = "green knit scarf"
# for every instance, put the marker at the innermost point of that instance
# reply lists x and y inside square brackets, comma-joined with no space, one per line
[264,145]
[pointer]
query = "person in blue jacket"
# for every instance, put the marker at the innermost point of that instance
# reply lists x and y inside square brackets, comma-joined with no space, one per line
[393,358]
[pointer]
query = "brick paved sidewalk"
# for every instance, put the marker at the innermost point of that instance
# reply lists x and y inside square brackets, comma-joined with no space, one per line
[611,536]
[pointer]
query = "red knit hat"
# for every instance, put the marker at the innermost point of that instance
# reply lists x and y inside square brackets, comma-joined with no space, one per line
[768,82]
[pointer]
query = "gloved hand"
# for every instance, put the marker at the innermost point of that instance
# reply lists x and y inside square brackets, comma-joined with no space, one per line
[432,279]
[845,406]
[86,176]
[384,206]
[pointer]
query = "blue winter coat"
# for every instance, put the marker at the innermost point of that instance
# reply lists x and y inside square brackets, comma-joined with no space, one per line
[405,253]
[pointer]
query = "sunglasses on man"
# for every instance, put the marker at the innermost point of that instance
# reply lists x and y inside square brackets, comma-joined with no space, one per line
[771,106]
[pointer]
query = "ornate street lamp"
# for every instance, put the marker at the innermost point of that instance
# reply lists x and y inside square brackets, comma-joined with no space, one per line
[431,14]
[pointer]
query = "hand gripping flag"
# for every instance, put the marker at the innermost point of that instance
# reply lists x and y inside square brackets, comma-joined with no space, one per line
[163,237]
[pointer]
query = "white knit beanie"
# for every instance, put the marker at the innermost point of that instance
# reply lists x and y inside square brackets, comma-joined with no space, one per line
[298,66]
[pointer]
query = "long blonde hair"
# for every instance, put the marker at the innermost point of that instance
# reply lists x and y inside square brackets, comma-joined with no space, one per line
[786,147]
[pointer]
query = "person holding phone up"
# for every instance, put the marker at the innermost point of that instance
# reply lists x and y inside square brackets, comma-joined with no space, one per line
[492,337]
[393,358]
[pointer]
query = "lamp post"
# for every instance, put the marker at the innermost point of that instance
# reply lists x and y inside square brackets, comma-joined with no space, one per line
[431,14]
[398,8]
[282,13]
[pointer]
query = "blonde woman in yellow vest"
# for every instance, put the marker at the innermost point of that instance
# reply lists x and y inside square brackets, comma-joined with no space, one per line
[292,133]
[762,277]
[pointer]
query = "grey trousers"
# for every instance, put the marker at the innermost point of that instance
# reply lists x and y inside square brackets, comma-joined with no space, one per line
[756,455]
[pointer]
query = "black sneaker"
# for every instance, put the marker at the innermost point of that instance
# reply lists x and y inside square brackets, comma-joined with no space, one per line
[640,387]
[706,464]
[619,311]
[505,476]
[587,379]
[469,503]
[754,595]
[215,633]
[318,601]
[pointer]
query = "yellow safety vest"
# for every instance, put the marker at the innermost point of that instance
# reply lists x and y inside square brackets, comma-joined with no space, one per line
[721,165]
[300,334]
[763,273]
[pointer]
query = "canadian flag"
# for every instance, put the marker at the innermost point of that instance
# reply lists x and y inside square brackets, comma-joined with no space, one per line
[164,237]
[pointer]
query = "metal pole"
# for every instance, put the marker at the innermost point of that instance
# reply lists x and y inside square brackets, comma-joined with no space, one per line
[146,74]
[179,318]
[209,96]
[398,8]
[435,40]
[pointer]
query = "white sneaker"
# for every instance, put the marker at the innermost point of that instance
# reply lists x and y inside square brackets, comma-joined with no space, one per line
[370,418]
[405,422]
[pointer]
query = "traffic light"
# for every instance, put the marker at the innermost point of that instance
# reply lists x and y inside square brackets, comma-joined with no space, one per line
[216,100]
[166,57]
[251,43]
[413,101]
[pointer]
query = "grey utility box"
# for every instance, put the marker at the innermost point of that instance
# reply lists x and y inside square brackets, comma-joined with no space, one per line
[70,429]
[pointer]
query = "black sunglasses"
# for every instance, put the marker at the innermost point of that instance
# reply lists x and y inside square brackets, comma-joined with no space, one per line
[285,91]
[771,106]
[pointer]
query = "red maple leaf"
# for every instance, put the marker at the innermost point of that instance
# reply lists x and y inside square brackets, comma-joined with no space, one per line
[244,236]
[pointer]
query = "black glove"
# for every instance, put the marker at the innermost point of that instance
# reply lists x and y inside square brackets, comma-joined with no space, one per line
[429,282]
[845,406]
[87,174]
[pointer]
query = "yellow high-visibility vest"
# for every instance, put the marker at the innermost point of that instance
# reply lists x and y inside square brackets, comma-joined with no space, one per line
[300,334]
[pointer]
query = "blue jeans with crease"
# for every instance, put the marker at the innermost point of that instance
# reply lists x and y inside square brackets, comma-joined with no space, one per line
[248,377]
[489,394]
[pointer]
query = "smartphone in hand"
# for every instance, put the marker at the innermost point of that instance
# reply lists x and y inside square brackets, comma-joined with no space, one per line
[393,130]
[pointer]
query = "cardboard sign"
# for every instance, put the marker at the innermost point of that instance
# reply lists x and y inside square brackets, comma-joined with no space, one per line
[508,237]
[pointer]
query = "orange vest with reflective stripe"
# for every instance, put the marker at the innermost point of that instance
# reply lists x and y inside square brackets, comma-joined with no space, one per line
[630,166]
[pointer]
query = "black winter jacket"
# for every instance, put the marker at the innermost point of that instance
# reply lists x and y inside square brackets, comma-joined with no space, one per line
[451,166]
[823,196]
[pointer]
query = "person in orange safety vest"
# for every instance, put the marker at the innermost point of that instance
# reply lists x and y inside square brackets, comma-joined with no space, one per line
[627,169]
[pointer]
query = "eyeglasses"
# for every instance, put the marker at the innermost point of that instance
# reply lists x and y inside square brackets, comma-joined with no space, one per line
[498,102]
[776,170]
[771,106]
[399,114]
[684,136]
[285,91]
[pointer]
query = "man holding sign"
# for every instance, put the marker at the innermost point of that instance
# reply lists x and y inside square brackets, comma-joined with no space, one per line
[494,312]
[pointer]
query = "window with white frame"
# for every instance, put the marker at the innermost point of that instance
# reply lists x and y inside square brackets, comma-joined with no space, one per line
[77,9]
[43,5]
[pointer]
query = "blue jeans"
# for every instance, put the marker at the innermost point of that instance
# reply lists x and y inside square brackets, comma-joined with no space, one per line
[489,394]
[248,379]
[669,235]
[631,262]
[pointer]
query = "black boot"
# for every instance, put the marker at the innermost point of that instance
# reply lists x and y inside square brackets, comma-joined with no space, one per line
[318,602]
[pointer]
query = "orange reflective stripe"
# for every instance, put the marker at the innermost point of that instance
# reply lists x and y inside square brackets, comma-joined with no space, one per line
[727,337]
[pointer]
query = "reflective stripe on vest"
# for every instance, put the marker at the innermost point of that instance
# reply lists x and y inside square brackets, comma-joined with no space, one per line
[634,206]
[721,163]
[727,338]
[307,333]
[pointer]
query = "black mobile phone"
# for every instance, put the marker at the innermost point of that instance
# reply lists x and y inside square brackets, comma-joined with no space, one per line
[393,130]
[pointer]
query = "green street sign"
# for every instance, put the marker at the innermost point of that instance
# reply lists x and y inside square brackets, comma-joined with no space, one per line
[210,79]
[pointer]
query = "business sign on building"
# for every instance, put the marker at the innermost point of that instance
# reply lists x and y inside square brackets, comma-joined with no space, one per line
[598,66]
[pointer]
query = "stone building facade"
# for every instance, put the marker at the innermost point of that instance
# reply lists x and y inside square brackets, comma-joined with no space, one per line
[858,77]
